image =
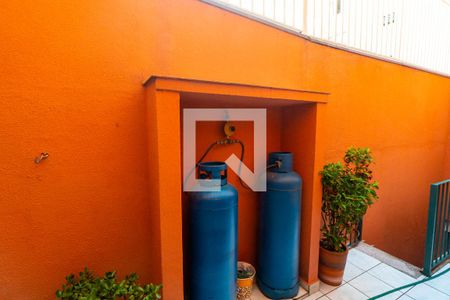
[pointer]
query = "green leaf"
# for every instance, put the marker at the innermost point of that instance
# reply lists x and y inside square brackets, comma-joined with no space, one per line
[347,192]
[91,287]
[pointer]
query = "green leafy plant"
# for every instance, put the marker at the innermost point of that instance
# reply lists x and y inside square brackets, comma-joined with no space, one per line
[347,191]
[87,286]
[245,272]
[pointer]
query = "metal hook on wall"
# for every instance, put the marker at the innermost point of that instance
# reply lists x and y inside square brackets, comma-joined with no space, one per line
[41,157]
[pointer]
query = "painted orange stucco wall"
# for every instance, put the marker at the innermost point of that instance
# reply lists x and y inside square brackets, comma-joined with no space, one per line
[447,156]
[70,85]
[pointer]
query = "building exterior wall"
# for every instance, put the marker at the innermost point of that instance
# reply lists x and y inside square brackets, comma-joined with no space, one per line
[71,85]
[447,156]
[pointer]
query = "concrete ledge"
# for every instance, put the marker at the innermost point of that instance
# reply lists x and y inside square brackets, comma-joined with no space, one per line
[390,260]
[310,288]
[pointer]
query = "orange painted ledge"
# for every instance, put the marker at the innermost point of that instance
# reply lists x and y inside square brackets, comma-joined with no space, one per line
[174,84]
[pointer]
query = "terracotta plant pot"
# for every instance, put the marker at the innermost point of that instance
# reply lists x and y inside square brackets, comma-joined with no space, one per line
[331,266]
[245,285]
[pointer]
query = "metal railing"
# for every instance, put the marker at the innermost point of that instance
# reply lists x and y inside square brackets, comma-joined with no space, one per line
[356,235]
[437,248]
[411,32]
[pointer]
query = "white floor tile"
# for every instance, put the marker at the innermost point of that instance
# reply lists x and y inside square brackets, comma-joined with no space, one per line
[405,297]
[351,271]
[372,286]
[314,296]
[258,295]
[425,292]
[326,288]
[447,266]
[391,276]
[421,277]
[301,292]
[442,283]
[361,260]
[346,292]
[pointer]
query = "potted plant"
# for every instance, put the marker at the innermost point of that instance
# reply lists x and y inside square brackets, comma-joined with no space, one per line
[246,274]
[88,286]
[347,191]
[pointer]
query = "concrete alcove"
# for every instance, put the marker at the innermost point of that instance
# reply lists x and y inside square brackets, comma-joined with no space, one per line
[294,121]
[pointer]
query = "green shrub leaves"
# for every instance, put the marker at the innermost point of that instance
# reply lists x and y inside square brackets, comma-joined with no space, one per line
[90,287]
[347,191]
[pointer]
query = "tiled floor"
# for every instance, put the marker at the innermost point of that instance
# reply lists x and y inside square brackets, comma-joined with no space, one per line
[367,277]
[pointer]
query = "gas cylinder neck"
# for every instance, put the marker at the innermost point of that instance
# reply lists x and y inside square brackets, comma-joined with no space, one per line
[283,160]
[213,170]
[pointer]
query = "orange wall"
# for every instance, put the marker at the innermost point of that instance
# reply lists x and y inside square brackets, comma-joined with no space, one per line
[447,156]
[302,134]
[70,85]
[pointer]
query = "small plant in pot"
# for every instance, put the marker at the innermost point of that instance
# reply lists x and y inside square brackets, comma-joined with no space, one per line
[347,191]
[245,276]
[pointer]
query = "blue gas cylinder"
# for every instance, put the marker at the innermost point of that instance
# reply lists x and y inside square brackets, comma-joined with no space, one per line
[213,219]
[279,229]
